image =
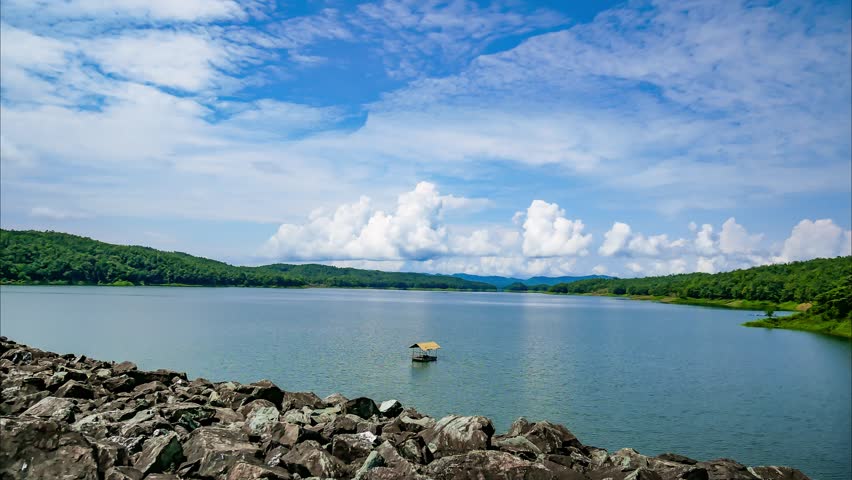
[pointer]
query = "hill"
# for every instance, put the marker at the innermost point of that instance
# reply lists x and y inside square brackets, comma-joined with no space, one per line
[503,282]
[821,289]
[31,257]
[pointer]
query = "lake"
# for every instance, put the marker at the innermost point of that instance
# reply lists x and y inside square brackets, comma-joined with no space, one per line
[618,373]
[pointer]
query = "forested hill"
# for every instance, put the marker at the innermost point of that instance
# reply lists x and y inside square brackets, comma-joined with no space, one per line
[30,257]
[822,286]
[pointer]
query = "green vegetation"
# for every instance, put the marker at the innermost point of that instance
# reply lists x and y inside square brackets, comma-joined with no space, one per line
[523,287]
[51,258]
[820,289]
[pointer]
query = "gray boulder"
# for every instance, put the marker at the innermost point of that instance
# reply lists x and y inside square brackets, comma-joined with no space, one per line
[160,453]
[31,447]
[212,450]
[362,407]
[54,408]
[455,434]
[491,464]
[75,389]
[310,459]
[390,408]
[351,446]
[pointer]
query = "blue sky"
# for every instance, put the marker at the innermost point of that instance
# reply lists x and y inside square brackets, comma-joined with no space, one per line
[513,138]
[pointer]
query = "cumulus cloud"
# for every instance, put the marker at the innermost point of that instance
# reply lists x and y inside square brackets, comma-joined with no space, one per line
[599,269]
[615,239]
[734,238]
[620,240]
[704,242]
[816,239]
[547,233]
[360,231]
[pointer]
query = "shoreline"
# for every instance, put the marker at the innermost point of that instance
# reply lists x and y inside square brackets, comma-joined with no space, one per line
[77,417]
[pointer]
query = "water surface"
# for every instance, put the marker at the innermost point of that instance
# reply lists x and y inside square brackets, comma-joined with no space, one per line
[618,373]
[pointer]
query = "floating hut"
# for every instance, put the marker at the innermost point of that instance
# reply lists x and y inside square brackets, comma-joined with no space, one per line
[423,352]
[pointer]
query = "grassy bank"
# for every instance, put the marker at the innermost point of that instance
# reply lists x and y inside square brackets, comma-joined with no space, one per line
[807,323]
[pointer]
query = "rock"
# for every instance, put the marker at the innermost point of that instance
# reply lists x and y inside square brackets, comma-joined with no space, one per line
[148,388]
[226,415]
[643,474]
[673,457]
[159,453]
[415,450]
[190,415]
[725,468]
[131,444]
[777,473]
[297,400]
[263,390]
[299,417]
[74,389]
[110,454]
[335,400]
[454,434]
[34,448]
[519,446]
[373,460]
[249,470]
[550,437]
[54,408]
[342,424]
[352,446]
[119,384]
[478,465]
[123,367]
[310,459]
[519,427]
[362,407]
[395,461]
[326,415]
[161,375]
[123,473]
[15,403]
[261,416]
[214,449]
[390,408]
[289,434]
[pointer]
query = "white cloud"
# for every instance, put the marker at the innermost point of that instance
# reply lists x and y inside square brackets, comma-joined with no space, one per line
[615,239]
[412,231]
[179,60]
[599,269]
[183,10]
[634,267]
[705,265]
[547,233]
[704,242]
[816,239]
[621,240]
[734,238]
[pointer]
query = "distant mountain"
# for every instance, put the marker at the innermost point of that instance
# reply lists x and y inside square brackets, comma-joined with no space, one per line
[503,282]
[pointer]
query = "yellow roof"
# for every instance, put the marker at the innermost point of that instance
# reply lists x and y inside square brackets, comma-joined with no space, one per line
[426,346]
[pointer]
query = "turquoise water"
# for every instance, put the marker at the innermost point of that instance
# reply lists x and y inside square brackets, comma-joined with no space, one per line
[618,373]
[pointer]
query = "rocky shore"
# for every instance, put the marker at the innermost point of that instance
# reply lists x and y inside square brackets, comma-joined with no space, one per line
[72,417]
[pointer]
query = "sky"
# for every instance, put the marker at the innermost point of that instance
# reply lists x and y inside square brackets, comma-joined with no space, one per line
[497,138]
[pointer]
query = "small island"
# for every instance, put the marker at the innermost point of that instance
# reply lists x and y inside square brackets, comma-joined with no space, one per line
[73,417]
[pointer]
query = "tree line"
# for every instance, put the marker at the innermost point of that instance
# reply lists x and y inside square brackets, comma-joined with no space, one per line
[32,257]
